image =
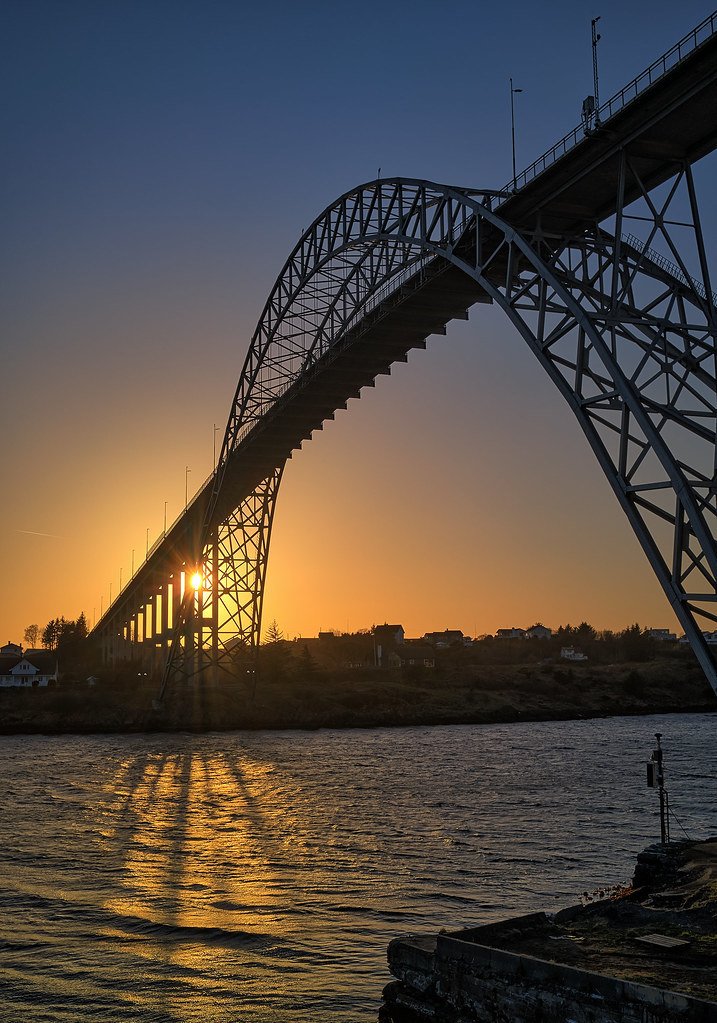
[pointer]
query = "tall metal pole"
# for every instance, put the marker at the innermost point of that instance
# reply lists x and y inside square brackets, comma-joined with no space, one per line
[512,124]
[165,518]
[595,40]
[146,548]
[658,758]
[133,561]
[187,471]
[214,463]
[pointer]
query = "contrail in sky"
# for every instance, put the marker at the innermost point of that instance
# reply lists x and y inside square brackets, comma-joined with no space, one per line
[33,532]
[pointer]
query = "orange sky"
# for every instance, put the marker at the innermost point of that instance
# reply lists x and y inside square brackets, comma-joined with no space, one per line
[492,514]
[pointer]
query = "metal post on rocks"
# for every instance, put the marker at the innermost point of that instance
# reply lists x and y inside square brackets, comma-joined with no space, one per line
[656,779]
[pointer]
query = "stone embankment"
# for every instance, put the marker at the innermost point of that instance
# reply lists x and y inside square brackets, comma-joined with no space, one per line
[645,954]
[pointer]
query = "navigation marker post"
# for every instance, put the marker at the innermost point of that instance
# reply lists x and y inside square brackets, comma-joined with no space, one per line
[656,779]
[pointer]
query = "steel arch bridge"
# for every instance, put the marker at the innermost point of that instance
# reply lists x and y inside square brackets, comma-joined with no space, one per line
[596,256]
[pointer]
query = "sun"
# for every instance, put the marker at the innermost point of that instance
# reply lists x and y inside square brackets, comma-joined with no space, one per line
[196,581]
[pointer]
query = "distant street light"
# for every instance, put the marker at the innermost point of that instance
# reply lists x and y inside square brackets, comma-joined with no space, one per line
[165,518]
[120,585]
[512,124]
[133,561]
[187,471]
[146,550]
[216,428]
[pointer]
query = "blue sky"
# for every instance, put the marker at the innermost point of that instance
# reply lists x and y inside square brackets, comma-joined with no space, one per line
[160,161]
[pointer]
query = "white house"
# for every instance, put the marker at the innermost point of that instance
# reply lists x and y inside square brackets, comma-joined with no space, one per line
[539,632]
[33,670]
[569,653]
[664,635]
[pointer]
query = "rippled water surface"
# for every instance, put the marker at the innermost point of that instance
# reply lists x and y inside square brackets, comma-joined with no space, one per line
[260,876]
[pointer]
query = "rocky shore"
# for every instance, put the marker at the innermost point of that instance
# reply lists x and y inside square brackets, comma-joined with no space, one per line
[645,953]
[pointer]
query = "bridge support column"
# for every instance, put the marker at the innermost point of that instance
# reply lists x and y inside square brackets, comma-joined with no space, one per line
[214,627]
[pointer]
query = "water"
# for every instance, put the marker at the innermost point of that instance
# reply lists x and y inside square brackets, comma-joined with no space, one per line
[260,876]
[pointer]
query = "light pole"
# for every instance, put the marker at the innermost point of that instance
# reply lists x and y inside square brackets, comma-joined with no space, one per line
[595,41]
[165,518]
[215,444]
[187,471]
[512,124]
[133,561]
[146,549]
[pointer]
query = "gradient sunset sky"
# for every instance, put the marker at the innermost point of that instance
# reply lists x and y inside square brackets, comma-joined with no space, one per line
[160,161]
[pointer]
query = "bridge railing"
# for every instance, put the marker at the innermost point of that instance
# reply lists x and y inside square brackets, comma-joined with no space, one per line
[668,266]
[669,60]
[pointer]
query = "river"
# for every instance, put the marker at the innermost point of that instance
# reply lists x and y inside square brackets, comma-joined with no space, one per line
[236,877]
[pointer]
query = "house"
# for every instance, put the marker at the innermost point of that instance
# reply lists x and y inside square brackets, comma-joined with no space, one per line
[39,669]
[11,650]
[442,640]
[510,633]
[663,635]
[569,653]
[539,632]
[385,640]
[412,653]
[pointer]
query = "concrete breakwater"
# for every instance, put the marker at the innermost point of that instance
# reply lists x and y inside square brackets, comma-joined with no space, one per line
[645,954]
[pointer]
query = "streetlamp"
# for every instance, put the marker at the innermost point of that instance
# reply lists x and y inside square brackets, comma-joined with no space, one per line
[165,518]
[146,549]
[187,471]
[512,124]
[133,562]
[216,428]
[595,38]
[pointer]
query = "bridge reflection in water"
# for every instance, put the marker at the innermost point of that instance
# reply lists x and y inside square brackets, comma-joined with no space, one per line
[598,259]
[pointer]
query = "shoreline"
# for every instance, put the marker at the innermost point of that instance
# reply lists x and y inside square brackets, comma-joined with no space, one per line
[260,717]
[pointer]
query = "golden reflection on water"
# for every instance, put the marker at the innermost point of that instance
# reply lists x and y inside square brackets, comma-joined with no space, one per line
[194,838]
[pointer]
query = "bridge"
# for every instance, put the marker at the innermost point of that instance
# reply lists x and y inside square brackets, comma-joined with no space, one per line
[596,255]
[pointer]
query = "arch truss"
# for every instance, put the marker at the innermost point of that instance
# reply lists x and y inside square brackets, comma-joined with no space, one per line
[619,312]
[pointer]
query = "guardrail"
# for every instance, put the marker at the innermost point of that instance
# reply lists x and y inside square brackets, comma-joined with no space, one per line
[669,267]
[674,56]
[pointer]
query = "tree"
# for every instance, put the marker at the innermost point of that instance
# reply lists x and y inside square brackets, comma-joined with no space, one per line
[52,632]
[306,665]
[31,635]
[585,633]
[273,633]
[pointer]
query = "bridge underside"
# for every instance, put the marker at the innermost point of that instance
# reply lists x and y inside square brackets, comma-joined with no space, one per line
[600,264]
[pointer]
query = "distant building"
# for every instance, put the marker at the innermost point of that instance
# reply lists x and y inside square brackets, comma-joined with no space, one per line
[442,640]
[11,650]
[40,669]
[385,640]
[510,633]
[413,653]
[663,635]
[569,653]
[539,632]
